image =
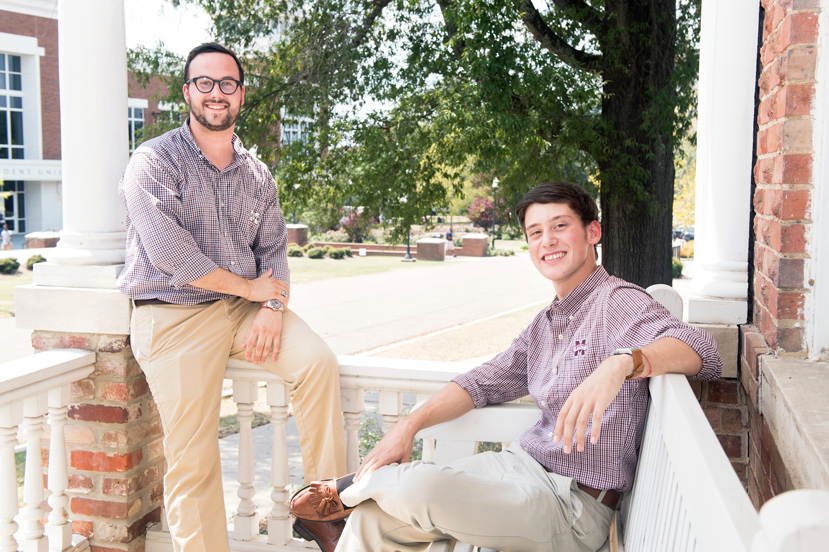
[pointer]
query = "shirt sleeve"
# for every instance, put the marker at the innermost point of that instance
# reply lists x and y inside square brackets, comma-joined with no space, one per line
[502,379]
[153,201]
[636,319]
[271,245]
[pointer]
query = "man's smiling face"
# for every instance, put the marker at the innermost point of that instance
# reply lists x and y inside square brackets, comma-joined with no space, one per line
[561,246]
[214,110]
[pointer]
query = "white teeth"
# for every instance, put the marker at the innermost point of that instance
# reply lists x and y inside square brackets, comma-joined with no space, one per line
[552,257]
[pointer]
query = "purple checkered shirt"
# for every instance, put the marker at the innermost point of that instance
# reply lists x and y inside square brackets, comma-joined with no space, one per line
[560,348]
[185,218]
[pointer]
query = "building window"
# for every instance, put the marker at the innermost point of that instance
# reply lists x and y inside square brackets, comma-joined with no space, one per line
[11,107]
[294,132]
[14,204]
[135,116]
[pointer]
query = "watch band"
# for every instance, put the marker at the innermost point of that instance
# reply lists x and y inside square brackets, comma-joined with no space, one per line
[638,362]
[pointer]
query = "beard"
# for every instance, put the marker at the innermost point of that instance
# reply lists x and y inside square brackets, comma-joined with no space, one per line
[227,121]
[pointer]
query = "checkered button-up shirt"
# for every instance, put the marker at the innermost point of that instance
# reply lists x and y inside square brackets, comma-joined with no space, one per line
[186,218]
[560,348]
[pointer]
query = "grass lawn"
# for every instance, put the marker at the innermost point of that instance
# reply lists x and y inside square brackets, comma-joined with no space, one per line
[305,270]
[7,284]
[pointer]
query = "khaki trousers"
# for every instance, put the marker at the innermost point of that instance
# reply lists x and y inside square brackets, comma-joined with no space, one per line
[183,352]
[505,500]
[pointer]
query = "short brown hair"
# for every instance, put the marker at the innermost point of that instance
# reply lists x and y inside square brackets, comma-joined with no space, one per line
[208,48]
[573,195]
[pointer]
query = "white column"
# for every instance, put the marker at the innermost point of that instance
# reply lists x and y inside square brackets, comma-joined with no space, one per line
[727,80]
[93,113]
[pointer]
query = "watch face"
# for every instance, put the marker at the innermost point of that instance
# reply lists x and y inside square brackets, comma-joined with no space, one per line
[275,304]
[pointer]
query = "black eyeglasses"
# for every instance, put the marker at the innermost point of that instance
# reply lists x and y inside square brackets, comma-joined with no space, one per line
[205,84]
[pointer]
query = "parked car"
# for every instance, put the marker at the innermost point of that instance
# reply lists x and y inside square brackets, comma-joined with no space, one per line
[676,233]
[688,235]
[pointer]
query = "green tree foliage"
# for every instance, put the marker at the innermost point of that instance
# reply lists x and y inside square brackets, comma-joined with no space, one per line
[405,94]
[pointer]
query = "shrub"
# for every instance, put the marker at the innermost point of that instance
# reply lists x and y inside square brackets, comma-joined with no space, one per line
[687,250]
[307,246]
[8,265]
[347,251]
[336,253]
[525,247]
[316,253]
[33,260]
[295,252]
[676,268]
[329,249]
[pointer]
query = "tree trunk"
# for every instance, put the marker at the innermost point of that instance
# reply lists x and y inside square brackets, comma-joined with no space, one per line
[636,167]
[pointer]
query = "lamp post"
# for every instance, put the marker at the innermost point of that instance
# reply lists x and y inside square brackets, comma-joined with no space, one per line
[495,182]
[408,256]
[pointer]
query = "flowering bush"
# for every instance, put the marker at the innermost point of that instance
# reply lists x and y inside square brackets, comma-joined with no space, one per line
[480,213]
[356,223]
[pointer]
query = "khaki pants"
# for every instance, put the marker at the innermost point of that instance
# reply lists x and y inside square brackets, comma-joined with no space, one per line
[183,351]
[506,501]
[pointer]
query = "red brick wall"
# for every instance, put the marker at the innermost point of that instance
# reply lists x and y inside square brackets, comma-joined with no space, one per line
[783,172]
[46,32]
[114,440]
[154,89]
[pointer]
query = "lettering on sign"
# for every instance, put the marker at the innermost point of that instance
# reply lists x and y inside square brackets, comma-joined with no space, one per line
[31,171]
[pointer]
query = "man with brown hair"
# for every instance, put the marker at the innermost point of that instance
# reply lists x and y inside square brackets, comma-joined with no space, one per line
[206,269]
[585,360]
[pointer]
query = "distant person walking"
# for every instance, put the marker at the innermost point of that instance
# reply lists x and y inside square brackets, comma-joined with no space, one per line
[7,238]
[450,243]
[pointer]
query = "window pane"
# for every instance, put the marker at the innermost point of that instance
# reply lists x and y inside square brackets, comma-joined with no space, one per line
[14,62]
[2,62]
[10,208]
[17,128]
[17,102]
[4,129]
[16,83]
[4,153]
[17,153]
[21,206]
[2,101]
[7,186]
[2,81]
[21,225]
[20,185]
[139,113]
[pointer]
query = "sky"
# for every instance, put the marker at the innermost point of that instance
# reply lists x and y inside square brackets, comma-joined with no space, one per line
[149,22]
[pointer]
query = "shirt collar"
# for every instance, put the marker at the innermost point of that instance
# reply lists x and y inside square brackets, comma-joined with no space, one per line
[191,142]
[574,299]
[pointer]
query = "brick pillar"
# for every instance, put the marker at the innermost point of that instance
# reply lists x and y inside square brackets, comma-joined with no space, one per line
[784,171]
[114,441]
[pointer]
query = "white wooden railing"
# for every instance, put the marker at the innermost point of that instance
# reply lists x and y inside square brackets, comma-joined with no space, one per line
[31,388]
[692,484]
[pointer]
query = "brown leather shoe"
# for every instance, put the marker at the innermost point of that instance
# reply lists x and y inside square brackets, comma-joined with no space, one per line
[319,501]
[325,533]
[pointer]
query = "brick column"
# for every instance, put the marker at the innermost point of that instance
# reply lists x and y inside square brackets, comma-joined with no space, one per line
[782,223]
[114,441]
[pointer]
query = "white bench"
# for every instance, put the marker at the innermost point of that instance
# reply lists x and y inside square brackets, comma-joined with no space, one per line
[686,495]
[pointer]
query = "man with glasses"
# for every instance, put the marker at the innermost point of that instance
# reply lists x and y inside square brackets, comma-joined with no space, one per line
[206,269]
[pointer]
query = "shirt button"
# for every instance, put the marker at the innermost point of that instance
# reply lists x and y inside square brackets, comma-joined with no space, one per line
[223,204]
[571,317]
[233,262]
[560,337]
[543,403]
[550,434]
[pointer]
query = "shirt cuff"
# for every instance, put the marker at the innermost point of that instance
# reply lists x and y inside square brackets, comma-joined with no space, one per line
[468,383]
[192,270]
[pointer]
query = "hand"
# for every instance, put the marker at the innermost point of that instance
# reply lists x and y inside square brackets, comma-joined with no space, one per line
[592,396]
[265,288]
[263,336]
[394,447]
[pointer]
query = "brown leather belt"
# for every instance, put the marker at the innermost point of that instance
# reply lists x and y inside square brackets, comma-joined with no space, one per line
[145,302]
[611,497]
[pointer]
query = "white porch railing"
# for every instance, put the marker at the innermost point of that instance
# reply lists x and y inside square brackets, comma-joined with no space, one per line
[34,386]
[29,389]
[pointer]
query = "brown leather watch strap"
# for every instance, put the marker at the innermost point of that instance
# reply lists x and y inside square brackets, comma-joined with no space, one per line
[638,365]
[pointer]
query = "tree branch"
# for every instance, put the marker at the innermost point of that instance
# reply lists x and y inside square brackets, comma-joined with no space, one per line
[585,14]
[369,22]
[458,46]
[553,43]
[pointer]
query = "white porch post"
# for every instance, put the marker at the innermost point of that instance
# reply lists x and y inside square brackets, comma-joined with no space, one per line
[727,80]
[93,116]
[74,291]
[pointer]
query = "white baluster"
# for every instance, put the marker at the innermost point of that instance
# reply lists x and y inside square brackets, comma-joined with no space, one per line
[245,525]
[279,522]
[391,406]
[58,530]
[8,488]
[352,404]
[32,539]
[428,442]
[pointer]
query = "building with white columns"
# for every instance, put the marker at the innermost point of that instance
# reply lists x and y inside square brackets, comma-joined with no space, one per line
[761,252]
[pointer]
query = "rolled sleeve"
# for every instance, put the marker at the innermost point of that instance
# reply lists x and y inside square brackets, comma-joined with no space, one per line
[154,204]
[502,379]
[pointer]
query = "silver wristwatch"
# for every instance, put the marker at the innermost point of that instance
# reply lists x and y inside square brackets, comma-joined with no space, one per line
[274,305]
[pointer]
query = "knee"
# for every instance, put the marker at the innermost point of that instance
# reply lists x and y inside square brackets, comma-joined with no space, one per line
[420,485]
